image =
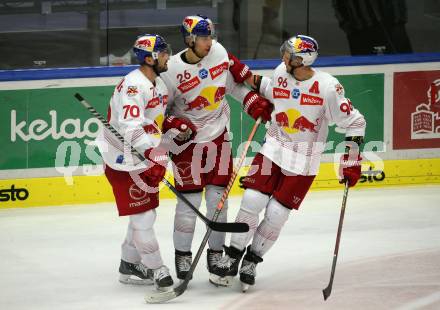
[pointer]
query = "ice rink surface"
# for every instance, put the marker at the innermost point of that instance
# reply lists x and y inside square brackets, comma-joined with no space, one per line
[67,257]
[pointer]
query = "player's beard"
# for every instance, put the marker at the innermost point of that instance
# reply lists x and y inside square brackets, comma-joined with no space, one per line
[293,67]
[158,69]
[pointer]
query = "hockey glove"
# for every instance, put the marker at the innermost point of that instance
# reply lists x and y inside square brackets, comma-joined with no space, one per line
[184,129]
[350,163]
[240,72]
[257,106]
[157,165]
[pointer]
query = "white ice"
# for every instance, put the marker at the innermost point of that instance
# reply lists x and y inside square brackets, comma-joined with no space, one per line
[67,257]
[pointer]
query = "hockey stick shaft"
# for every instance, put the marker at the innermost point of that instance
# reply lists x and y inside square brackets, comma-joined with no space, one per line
[182,287]
[327,291]
[224,227]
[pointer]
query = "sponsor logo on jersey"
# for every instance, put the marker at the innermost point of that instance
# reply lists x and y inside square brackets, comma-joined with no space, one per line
[296,200]
[303,124]
[311,100]
[218,70]
[132,91]
[209,99]
[280,93]
[188,85]
[139,203]
[153,103]
[291,121]
[12,194]
[295,93]
[203,73]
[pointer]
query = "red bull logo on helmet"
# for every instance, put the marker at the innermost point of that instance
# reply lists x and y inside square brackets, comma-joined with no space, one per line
[146,43]
[303,45]
[190,22]
[291,121]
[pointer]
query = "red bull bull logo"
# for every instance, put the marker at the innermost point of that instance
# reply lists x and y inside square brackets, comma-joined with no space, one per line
[219,94]
[303,124]
[197,104]
[144,43]
[189,24]
[209,99]
[306,46]
[291,121]
[282,119]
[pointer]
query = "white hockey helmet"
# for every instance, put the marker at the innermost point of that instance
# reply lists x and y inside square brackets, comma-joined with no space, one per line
[302,46]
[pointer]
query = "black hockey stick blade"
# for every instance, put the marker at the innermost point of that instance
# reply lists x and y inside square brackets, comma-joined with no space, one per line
[229,227]
[157,297]
[327,291]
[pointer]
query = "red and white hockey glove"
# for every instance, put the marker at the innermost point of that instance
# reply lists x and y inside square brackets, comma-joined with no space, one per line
[157,165]
[257,106]
[184,129]
[350,163]
[350,169]
[240,72]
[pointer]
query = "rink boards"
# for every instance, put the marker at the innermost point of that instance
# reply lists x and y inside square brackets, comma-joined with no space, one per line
[93,189]
[48,158]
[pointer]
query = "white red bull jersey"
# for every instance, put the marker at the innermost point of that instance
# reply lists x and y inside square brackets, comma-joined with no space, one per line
[197,91]
[303,111]
[136,111]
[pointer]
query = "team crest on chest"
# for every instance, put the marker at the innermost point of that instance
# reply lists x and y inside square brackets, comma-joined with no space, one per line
[132,91]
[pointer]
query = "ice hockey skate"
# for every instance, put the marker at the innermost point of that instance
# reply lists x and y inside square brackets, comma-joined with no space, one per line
[162,279]
[182,262]
[226,268]
[248,270]
[137,274]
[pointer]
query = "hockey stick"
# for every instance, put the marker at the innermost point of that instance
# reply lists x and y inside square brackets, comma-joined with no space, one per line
[159,297]
[224,227]
[328,290]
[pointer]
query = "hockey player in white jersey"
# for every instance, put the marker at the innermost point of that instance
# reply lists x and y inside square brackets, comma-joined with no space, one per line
[306,102]
[136,111]
[198,79]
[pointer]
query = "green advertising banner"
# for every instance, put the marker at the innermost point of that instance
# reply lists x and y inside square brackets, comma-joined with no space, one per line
[35,124]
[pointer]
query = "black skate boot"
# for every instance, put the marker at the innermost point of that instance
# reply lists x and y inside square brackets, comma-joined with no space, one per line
[162,279]
[183,264]
[227,267]
[135,273]
[248,270]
